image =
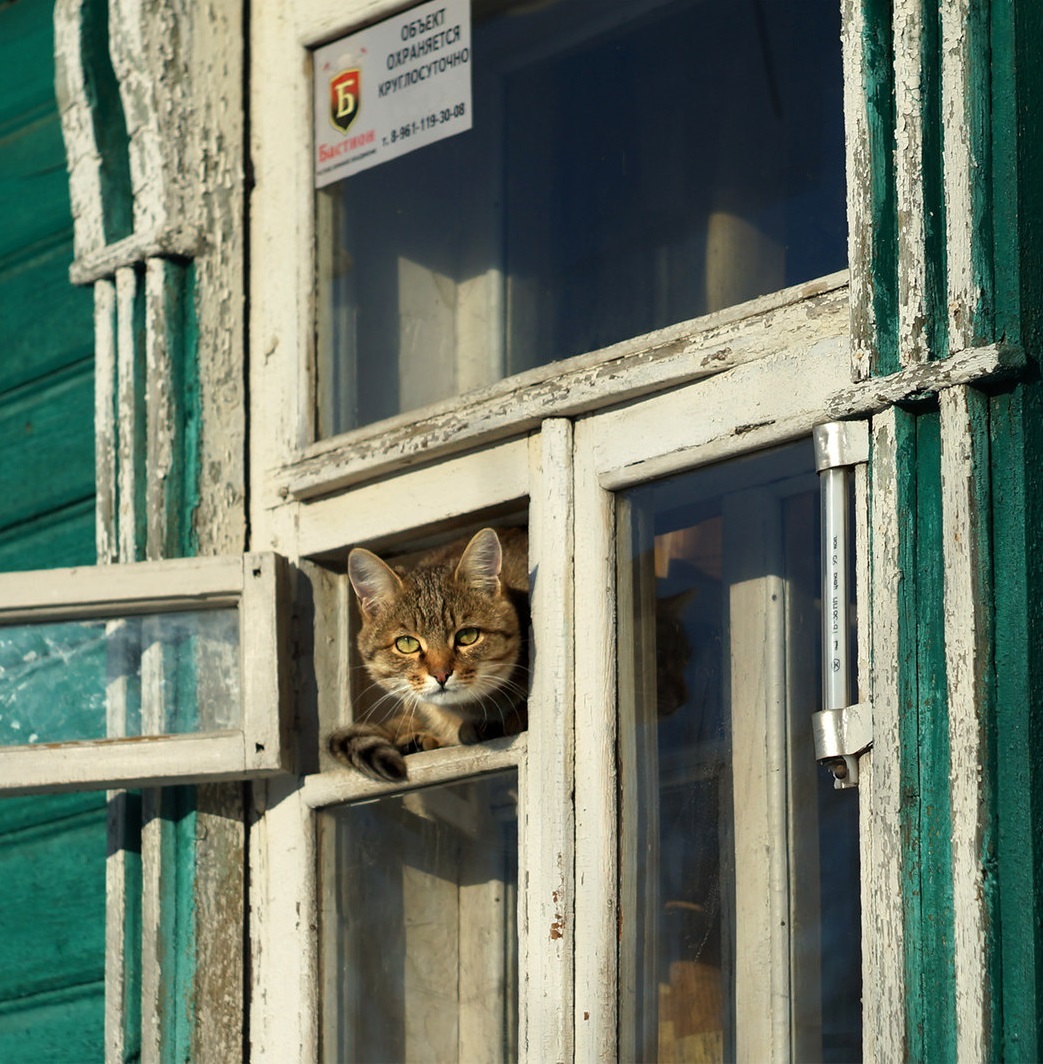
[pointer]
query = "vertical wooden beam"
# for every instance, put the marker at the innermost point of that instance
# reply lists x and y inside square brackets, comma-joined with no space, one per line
[909,180]
[968,649]
[963,86]
[597,917]
[883,945]
[549,763]
[86,182]
[284,931]
[105,436]
[859,194]
[131,416]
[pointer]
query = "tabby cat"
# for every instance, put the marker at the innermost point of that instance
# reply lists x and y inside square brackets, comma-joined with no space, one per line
[445,642]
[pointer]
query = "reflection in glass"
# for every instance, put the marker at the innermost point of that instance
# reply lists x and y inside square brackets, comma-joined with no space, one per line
[738,861]
[631,165]
[419,932]
[154,674]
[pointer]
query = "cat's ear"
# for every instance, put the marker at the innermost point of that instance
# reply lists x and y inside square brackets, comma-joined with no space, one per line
[374,581]
[480,566]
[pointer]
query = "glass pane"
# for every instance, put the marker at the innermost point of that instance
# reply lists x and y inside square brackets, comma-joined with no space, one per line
[630,165]
[156,674]
[419,929]
[738,860]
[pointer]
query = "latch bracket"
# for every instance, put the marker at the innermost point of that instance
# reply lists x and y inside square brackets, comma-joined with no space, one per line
[840,736]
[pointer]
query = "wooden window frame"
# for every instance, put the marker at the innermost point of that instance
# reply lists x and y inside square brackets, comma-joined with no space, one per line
[250,584]
[727,384]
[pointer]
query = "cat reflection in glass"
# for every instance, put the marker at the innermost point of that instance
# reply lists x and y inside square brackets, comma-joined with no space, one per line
[445,643]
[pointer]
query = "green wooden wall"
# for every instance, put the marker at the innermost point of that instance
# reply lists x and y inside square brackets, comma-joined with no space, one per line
[1005,132]
[52,850]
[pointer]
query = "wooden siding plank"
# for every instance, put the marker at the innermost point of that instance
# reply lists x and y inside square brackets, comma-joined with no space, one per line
[33,183]
[45,434]
[37,340]
[62,537]
[60,1026]
[26,49]
[42,869]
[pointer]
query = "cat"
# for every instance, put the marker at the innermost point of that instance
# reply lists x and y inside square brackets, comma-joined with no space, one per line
[446,643]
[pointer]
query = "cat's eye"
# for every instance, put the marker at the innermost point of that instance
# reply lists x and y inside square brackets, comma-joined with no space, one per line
[466,636]
[407,644]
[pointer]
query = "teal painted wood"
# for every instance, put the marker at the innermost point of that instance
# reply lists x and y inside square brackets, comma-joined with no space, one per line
[125,837]
[980,426]
[110,125]
[35,339]
[59,538]
[177,924]
[52,849]
[47,440]
[58,1027]
[936,325]
[880,110]
[1016,454]
[42,871]
[926,819]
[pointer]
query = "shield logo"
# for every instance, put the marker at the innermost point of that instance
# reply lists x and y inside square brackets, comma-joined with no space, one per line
[344,98]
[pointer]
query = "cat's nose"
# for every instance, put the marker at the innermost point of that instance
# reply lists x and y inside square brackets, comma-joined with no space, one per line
[442,677]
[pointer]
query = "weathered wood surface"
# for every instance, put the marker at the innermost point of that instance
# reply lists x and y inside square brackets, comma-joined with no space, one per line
[597,917]
[883,981]
[968,656]
[675,355]
[548,771]
[52,848]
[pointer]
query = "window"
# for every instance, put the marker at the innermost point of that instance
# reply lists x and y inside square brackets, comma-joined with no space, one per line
[629,166]
[419,924]
[532,352]
[188,654]
[736,854]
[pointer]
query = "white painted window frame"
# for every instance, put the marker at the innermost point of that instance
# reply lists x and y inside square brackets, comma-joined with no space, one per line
[250,584]
[567,847]
[728,384]
[617,450]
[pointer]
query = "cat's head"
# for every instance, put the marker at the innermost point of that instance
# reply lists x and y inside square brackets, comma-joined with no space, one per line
[445,633]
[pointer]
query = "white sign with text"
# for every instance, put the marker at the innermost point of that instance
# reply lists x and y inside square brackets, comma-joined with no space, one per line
[392,88]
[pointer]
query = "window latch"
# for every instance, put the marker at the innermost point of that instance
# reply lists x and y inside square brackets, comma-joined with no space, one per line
[840,736]
[842,730]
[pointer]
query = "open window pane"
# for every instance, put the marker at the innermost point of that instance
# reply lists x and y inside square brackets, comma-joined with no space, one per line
[172,673]
[738,860]
[419,927]
[188,653]
[630,165]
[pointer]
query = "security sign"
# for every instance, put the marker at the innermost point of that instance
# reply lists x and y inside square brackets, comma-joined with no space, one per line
[344,98]
[415,68]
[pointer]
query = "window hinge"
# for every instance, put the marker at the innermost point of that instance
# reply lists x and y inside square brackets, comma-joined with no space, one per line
[840,736]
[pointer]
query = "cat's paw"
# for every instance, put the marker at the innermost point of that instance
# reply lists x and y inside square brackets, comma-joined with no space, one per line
[368,748]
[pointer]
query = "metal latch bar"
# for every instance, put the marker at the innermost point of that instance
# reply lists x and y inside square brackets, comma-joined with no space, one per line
[842,730]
